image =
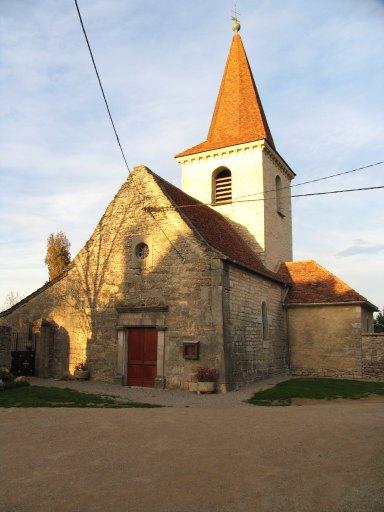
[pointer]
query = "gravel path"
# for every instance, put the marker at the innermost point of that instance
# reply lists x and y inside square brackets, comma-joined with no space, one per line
[326,458]
[168,397]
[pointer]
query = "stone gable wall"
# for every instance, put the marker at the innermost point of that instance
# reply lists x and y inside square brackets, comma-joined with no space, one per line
[248,356]
[180,272]
[373,355]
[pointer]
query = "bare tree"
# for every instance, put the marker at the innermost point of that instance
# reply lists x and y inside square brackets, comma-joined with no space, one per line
[58,255]
[11,299]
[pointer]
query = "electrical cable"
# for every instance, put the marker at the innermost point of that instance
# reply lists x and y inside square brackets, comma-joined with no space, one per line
[115,131]
[315,180]
[240,198]
[164,208]
[101,86]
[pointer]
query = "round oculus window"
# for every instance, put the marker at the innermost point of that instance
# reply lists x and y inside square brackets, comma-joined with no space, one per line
[142,251]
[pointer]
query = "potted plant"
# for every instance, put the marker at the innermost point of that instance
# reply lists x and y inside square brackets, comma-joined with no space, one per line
[81,372]
[6,378]
[206,380]
[9,381]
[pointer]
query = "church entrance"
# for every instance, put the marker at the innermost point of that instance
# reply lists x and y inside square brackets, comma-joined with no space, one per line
[142,357]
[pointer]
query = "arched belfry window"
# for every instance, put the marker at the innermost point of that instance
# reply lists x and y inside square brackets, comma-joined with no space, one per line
[264,320]
[279,196]
[222,186]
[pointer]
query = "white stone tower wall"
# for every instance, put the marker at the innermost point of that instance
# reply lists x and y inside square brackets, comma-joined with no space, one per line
[245,163]
[253,171]
[277,227]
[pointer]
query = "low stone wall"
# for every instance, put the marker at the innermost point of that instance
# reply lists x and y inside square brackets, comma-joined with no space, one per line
[5,346]
[373,355]
[325,372]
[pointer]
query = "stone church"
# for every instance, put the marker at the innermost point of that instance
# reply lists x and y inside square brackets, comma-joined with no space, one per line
[175,279]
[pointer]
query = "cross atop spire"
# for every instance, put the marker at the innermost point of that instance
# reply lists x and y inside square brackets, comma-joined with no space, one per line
[238,117]
[236,24]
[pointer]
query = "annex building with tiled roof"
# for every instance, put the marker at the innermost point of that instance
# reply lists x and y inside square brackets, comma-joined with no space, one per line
[203,276]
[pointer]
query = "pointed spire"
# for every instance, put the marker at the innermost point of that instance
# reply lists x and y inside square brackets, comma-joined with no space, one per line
[238,116]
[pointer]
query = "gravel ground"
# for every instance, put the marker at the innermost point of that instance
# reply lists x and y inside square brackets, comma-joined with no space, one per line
[323,458]
[168,397]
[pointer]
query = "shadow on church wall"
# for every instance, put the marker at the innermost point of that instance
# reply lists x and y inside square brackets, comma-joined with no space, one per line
[180,272]
[107,275]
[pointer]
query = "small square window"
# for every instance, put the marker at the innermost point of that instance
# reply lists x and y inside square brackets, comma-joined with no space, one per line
[191,349]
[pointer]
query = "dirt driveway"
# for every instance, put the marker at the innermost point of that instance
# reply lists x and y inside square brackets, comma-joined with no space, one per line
[321,458]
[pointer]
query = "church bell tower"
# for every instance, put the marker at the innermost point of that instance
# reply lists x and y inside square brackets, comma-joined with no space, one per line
[237,170]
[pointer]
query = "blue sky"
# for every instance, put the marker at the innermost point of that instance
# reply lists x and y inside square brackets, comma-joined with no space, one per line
[319,67]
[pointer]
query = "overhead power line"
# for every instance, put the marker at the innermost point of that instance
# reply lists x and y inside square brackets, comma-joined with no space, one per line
[313,194]
[315,180]
[338,174]
[164,208]
[101,86]
[240,198]
[338,191]
[115,131]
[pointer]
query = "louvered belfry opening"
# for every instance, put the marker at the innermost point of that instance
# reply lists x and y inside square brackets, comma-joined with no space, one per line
[223,187]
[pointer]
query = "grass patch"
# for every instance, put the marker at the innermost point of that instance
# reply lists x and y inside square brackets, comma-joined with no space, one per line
[283,393]
[41,396]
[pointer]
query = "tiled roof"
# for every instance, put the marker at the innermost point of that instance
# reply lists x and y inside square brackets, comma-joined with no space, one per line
[214,229]
[238,116]
[311,283]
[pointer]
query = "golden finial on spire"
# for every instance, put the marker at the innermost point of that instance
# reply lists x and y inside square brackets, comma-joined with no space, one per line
[236,24]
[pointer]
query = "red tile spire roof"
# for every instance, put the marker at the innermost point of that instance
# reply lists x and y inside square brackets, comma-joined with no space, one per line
[238,116]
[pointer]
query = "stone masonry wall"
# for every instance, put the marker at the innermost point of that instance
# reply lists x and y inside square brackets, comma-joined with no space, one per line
[5,346]
[180,272]
[325,340]
[248,356]
[373,355]
[366,320]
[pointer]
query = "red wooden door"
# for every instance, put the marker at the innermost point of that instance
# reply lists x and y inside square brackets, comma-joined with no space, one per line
[142,357]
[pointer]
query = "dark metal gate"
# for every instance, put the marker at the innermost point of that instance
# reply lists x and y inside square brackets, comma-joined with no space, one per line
[23,350]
